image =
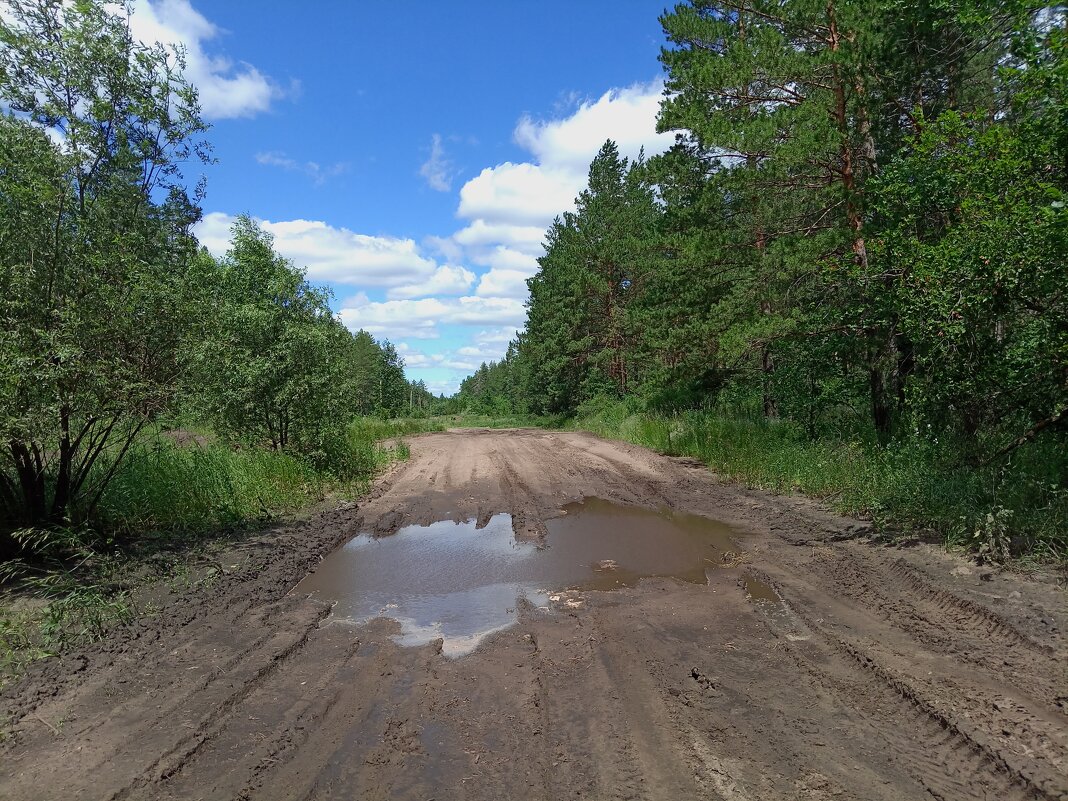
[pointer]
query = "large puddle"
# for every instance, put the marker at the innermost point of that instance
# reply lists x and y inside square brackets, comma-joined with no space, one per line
[461,583]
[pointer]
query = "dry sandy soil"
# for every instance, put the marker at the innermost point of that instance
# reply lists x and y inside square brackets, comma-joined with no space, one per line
[880,673]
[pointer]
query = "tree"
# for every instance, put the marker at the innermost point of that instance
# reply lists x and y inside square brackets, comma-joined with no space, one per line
[975,224]
[393,394]
[94,249]
[795,107]
[272,364]
[580,312]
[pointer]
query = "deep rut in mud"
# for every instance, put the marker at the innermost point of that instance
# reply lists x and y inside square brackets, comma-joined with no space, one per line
[802,663]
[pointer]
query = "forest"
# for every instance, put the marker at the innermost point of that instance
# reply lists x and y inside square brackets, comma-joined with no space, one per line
[847,277]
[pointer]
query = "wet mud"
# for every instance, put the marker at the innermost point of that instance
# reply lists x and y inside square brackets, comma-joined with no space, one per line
[775,654]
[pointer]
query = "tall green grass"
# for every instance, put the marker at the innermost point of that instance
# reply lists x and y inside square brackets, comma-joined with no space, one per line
[172,488]
[1017,507]
[163,488]
[175,497]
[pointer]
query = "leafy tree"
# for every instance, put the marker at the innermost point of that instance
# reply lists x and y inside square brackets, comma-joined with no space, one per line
[393,397]
[94,247]
[366,363]
[272,364]
[976,229]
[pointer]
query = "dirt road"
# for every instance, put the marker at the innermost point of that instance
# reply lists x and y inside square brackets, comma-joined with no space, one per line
[869,673]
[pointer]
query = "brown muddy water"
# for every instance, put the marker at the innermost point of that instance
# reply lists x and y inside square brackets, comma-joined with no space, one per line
[760,592]
[460,583]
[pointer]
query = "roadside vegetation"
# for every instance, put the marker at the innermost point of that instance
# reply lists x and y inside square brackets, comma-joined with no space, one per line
[910,489]
[153,398]
[847,278]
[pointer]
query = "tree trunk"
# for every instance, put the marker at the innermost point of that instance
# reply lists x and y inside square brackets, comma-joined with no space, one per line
[767,372]
[31,483]
[61,497]
[880,409]
[848,170]
[906,363]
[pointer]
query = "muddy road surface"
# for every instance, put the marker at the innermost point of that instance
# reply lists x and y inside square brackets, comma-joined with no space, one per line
[426,644]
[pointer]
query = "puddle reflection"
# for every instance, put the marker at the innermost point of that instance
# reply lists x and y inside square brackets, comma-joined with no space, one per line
[460,583]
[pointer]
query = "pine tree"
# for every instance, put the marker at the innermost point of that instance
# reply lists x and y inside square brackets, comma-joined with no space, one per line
[582,302]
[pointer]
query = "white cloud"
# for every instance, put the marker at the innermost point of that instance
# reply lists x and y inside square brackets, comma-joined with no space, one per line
[526,238]
[419,319]
[412,319]
[413,358]
[213,232]
[533,193]
[465,359]
[444,246]
[317,172]
[331,254]
[518,194]
[488,311]
[506,210]
[275,158]
[446,280]
[627,116]
[503,283]
[226,89]
[496,336]
[509,207]
[437,170]
[504,258]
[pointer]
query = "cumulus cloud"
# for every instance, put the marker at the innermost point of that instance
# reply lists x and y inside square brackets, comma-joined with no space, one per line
[505,211]
[533,193]
[503,283]
[445,246]
[518,194]
[437,170]
[465,359]
[317,172]
[496,336]
[525,238]
[227,89]
[446,280]
[504,258]
[420,319]
[627,116]
[331,254]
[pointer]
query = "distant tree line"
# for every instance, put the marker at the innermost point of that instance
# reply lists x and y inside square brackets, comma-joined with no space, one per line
[862,227]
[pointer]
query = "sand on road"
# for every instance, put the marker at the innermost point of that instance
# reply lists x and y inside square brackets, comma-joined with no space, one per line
[848,670]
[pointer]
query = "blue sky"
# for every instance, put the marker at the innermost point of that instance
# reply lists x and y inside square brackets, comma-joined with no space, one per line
[411,154]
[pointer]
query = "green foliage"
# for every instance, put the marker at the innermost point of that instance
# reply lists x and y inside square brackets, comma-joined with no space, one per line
[268,364]
[974,232]
[166,489]
[94,249]
[911,487]
[580,324]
